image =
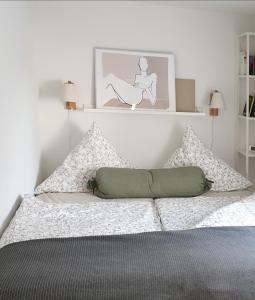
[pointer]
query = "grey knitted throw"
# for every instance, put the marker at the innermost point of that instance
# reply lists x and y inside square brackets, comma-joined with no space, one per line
[199,264]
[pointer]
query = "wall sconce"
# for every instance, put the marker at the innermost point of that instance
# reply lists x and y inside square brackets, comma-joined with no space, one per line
[70,95]
[216,103]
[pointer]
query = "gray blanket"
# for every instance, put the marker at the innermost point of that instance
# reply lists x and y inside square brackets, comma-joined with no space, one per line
[208,263]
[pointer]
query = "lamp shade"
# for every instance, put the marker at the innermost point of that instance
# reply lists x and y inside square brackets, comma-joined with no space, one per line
[217,100]
[70,92]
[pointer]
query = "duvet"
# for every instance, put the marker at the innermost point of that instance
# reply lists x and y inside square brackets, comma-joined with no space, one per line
[74,215]
[199,264]
[36,219]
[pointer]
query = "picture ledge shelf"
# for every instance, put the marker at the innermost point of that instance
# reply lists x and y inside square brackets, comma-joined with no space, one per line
[140,111]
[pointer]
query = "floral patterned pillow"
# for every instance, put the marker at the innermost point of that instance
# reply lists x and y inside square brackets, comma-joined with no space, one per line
[194,153]
[93,152]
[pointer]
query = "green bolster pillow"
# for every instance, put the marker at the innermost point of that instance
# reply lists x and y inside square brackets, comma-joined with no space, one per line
[113,183]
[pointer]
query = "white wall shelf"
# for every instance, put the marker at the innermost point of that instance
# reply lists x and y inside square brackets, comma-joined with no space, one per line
[247,34]
[140,111]
[247,76]
[249,154]
[244,118]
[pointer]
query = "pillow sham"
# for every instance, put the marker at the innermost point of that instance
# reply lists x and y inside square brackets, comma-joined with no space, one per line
[194,153]
[93,152]
[111,183]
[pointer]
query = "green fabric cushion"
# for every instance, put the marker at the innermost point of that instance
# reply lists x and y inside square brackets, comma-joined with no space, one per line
[156,183]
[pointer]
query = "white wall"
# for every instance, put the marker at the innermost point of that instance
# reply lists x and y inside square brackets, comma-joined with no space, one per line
[204,44]
[18,146]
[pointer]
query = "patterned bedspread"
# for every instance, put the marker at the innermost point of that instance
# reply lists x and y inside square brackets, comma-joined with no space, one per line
[36,219]
[91,216]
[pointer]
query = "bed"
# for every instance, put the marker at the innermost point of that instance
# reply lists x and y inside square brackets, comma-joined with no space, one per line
[78,246]
[66,243]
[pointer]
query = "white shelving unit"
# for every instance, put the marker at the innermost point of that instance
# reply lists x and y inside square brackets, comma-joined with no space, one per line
[246,87]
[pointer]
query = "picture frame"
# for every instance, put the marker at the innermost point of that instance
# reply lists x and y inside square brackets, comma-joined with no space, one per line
[141,80]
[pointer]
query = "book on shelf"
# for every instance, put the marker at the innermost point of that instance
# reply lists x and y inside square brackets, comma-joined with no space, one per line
[251,65]
[251,107]
[252,110]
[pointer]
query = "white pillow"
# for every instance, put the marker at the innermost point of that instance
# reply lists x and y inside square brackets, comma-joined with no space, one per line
[194,153]
[93,152]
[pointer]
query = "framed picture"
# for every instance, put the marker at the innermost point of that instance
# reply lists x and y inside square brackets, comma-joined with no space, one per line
[134,80]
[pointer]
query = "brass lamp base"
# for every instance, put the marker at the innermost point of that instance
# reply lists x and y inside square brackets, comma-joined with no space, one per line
[70,105]
[214,112]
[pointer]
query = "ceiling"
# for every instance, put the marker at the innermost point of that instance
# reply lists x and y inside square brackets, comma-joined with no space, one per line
[237,7]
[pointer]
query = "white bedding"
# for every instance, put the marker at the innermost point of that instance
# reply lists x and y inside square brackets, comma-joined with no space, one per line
[85,197]
[57,215]
[240,213]
[74,198]
[36,219]
[186,213]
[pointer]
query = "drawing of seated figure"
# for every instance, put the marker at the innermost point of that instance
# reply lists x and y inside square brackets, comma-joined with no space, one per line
[144,86]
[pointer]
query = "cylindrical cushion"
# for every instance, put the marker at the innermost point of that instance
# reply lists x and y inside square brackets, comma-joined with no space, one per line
[156,183]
